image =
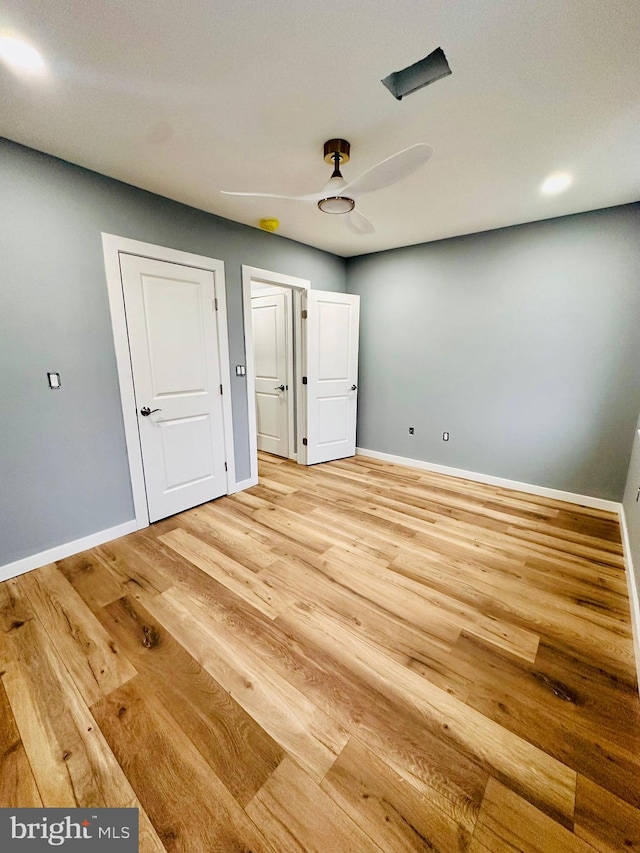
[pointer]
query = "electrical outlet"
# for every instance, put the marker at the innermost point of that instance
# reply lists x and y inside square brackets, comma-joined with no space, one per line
[445,436]
[411,431]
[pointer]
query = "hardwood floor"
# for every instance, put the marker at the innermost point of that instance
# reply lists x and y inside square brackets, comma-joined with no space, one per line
[348,658]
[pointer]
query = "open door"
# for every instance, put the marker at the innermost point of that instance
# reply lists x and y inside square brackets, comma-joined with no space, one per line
[273,356]
[331,369]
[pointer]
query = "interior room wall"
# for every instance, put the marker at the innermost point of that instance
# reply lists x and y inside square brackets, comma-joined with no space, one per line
[522,343]
[63,464]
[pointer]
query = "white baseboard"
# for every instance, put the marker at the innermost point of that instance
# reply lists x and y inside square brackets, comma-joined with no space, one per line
[632,586]
[542,491]
[244,484]
[27,564]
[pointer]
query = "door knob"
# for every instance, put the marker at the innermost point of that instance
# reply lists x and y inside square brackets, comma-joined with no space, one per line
[145,411]
[354,387]
[279,388]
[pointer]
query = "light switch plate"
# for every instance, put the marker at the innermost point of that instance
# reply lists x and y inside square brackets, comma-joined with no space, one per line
[54,381]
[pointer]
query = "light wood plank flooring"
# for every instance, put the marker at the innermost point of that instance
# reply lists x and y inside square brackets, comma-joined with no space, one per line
[348,658]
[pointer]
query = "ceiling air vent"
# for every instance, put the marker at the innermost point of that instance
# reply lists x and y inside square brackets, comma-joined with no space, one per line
[428,70]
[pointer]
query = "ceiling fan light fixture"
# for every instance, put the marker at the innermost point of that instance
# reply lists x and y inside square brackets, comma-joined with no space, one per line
[333,198]
[336,204]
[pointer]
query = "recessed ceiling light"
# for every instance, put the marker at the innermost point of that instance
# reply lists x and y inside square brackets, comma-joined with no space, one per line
[19,55]
[556,183]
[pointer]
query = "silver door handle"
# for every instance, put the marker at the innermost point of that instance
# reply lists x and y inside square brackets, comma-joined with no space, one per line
[279,388]
[145,411]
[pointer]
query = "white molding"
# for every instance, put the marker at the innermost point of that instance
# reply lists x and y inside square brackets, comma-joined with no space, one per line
[291,414]
[112,246]
[35,561]
[274,278]
[300,347]
[297,285]
[542,491]
[632,587]
[249,359]
[225,373]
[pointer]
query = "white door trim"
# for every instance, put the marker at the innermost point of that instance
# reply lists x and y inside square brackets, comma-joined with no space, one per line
[297,285]
[112,246]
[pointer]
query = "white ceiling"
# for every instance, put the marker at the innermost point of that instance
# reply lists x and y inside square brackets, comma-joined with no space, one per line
[188,98]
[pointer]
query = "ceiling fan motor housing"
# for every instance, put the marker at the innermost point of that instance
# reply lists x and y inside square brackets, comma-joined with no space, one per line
[336,146]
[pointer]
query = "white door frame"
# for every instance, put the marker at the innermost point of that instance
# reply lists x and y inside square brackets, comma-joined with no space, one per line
[112,246]
[297,286]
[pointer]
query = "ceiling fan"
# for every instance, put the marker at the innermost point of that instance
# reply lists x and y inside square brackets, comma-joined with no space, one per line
[339,196]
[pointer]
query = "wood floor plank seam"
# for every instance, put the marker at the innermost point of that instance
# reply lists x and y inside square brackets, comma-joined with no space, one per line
[289,717]
[91,657]
[235,747]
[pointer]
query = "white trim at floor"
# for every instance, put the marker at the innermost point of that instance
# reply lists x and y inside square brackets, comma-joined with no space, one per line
[68,549]
[632,587]
[542,491]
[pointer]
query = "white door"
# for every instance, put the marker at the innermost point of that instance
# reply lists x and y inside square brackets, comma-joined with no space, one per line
[272,354]
[175,361]
[332,327]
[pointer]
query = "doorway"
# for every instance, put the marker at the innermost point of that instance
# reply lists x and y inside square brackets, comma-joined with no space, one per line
[324,366]
[260,282]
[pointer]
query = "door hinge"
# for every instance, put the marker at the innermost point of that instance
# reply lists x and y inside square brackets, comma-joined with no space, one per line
[304,441]
[215,303]
[304,380]
[225,467]
[305,314]
[221,389]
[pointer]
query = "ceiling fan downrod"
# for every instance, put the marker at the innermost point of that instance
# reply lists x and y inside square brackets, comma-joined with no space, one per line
[336,169]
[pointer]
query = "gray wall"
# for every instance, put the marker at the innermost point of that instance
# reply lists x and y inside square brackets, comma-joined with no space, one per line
[523,343]
[63,466]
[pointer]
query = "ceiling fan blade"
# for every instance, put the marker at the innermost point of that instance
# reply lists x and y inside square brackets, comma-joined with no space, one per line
[311,197]
[359,223]
[391,170]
